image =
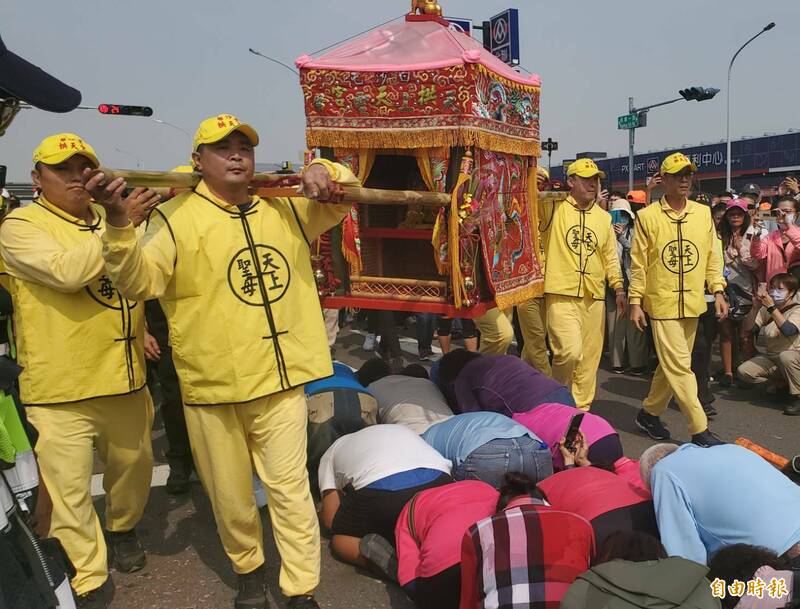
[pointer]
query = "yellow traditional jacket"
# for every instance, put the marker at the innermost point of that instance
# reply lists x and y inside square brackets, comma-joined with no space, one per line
[580,250]
[236,287]
[673,258]
[77,337]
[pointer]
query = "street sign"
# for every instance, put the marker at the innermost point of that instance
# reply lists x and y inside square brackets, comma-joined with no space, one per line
[502,37]
[460,25]
[629,121]
[550,145]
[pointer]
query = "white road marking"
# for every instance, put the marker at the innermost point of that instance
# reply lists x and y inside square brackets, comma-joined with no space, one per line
[160,474]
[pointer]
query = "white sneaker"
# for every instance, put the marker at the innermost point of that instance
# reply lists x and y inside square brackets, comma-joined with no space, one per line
[369,343]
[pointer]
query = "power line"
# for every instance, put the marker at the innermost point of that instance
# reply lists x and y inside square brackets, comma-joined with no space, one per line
[273,60]
[356,35]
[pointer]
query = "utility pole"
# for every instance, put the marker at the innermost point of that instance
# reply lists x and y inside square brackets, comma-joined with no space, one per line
[631,141]
[766,28]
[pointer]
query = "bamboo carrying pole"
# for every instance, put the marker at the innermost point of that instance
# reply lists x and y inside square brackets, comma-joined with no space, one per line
[352,194]
[173,179]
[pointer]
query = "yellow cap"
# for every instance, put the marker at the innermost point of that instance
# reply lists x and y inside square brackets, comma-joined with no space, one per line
[585,168]
[58,148]
[182,169]
[677,162]
[542,172]
[219,127]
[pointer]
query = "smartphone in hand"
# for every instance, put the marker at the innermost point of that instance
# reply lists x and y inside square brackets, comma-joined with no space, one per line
[572,432]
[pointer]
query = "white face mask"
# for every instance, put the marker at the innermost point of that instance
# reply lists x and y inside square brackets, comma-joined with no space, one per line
[790,218]
[779,296]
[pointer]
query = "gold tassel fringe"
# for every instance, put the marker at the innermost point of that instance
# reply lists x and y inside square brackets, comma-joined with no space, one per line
[521,295]
[454,243]
[354,260]
[421,138]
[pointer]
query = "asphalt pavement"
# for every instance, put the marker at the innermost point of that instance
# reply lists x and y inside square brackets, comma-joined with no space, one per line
[187,568]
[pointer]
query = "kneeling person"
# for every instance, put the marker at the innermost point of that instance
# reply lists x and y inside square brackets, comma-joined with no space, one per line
[407,398]
[606,500]
[365,479]
[429,533]
[497,383]
[486,445]
[337,406]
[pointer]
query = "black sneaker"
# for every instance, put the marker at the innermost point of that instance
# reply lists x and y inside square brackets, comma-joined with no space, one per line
[180,469]
[792,409]
[705,439]
[638,371]
[652,426]
[304,601]
[618,369]
[710,410]
[127,551]
[726,380]
[95,599]
[379,552]
[252,592]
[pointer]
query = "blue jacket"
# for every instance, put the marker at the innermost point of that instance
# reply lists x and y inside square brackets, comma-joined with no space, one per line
[710,498]
[343,378]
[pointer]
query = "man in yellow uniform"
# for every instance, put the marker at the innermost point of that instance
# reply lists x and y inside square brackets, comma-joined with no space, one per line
[233,275]
[580,254]
[496,327]
[80,344]
[673,257]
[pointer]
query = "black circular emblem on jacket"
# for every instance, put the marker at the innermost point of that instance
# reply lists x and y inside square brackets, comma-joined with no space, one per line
[678,255]
[244,280]
[581,242]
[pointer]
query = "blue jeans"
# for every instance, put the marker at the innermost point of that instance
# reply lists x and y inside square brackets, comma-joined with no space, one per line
[561,395]
[490,462]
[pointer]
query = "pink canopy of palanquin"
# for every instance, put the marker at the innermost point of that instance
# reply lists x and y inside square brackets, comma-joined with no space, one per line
[412,45]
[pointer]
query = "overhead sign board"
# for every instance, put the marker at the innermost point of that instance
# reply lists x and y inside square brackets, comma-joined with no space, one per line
[502,38]
[629,121]
[460,25]
[632,121]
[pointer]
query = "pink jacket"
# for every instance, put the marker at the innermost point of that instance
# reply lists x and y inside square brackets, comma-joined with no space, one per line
[779,258]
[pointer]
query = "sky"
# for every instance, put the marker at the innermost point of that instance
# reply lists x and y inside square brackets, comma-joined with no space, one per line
[189,60]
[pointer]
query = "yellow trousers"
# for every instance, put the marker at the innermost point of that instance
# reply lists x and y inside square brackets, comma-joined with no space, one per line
[119,428]
[497,332]
[270,433]
[575,327]
[532,321]
[674,340]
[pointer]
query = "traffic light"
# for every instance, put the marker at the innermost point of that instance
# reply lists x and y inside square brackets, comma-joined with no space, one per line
[698,93]
[125,110]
